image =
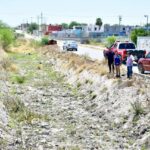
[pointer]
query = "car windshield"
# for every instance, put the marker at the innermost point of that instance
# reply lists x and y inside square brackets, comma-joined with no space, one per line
[126,46]
[72,42]
[148,55]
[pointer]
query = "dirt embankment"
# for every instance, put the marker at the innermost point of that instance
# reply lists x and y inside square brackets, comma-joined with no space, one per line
[121,105]
[93,111]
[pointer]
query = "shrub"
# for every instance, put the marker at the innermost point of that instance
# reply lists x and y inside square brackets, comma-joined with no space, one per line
[137,108]
[110,40]
[44,41]
[20,79]
[87,41]
[6,37]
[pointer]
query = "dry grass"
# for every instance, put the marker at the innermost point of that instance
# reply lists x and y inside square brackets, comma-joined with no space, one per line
[74,61]
[13,68]
[8,65]
[20,112]
[5,63]
[79,64]
[22,46]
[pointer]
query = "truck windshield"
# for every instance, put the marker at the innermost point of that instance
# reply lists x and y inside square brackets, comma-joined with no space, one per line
[126,46]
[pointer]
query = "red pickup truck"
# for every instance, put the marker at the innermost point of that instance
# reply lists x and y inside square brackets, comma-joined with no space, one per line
[144,64]
[123,47]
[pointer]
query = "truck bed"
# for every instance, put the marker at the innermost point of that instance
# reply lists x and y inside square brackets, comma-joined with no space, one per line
[137,54]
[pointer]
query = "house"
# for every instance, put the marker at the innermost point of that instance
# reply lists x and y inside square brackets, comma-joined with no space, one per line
[52,28]
[23,26]
[90,30]
[82,31]
[117,30]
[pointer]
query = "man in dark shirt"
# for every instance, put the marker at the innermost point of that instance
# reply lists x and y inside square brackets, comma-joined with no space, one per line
[110,56]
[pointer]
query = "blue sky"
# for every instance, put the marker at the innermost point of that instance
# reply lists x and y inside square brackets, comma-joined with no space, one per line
[15,12]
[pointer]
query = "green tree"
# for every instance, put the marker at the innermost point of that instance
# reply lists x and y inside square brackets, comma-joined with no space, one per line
[138,32]
[73,23]
[3,25]
[110,40]
[99,22]
[6,35]
[32,27]
[147,24]
[84,24]
[65,25]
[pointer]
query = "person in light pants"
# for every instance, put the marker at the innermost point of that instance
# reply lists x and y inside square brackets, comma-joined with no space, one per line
[129,64]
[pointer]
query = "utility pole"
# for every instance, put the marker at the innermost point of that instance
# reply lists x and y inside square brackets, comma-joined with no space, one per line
[41,21]
[31,20]
[38,22]
[146,16]
[120,19]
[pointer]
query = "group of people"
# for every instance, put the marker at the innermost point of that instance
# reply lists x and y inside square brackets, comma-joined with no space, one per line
[115,61]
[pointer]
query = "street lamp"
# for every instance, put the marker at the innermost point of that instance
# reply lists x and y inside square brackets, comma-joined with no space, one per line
[146,16]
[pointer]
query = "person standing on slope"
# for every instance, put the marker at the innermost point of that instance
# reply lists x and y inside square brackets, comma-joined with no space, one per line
[117,63]
[110,56]
[129,64]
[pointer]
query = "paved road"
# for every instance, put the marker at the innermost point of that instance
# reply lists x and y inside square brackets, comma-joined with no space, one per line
[91,52]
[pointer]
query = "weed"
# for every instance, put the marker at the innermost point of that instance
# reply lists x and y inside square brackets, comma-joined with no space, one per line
[20,79]
[137,108]
[102,70]
[3,143]
[90,92]
[129,83]
[75,91]
[81,68]
[13,68]
[79,84]
[40,67]
[74,148]
[35,44]
[141,91]
[93,96]
[86,56]
[44,82]
[104,62]
[44,41]
[71,129]
[5,63]
[104,89]
[88,81]
[19,112]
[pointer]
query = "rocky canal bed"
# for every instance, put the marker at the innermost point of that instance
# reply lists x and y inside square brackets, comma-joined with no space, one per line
[43,107]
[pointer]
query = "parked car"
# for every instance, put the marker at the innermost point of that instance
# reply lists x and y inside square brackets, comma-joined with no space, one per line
[123,47]
[70,45]
[52,42]
[144,64]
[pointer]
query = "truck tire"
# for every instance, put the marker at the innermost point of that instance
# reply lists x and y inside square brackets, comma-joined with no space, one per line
[141,69]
